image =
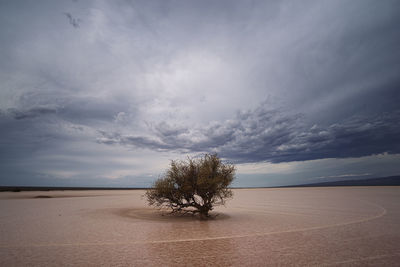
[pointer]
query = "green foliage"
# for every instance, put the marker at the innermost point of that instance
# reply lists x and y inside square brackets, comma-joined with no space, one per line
[194,186]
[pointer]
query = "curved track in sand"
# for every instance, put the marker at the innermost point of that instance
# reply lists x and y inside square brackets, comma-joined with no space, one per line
[382,211]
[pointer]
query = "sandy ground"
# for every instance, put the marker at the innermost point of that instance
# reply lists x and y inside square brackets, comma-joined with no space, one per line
[344,226]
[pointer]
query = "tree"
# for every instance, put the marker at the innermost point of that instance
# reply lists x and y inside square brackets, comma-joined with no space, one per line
[193,186]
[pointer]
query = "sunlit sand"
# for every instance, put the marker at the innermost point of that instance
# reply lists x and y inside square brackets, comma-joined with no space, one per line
[290,226]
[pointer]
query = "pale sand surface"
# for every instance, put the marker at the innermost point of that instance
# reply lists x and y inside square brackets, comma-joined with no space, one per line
[344,226]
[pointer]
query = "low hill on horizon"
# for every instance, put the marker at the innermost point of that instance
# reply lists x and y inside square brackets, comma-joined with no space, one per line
[381,181]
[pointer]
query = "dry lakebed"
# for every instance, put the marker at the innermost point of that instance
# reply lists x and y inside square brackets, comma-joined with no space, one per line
[321,226]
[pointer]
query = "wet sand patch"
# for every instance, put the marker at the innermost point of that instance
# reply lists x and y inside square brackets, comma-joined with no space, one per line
[150,214]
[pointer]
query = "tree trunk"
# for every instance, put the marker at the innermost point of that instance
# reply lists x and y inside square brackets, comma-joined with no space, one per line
[203,211]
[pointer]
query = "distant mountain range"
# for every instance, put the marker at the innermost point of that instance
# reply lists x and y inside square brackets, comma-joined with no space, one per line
[383,181]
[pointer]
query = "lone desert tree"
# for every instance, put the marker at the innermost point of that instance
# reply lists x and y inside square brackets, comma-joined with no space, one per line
[193,186]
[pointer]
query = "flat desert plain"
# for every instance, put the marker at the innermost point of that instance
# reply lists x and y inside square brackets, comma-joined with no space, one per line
[343,226]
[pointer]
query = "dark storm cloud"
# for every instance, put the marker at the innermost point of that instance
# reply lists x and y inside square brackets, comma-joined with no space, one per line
[172,76]
[137,141]
[269,135]
[164,130]
[75,22]
[87,110]
[30,113]
[40,128]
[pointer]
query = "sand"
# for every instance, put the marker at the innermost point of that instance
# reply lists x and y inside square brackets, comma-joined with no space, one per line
[338,226]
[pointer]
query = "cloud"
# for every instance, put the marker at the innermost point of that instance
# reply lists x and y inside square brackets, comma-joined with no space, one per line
[31,113]
[75,22]
[276,81]
[342,176]
[272,135]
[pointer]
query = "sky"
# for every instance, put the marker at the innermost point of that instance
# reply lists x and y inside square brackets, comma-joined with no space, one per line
[107,93]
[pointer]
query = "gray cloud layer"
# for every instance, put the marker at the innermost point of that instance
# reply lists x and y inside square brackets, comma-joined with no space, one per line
[265,135]
[73,21]
[276,81]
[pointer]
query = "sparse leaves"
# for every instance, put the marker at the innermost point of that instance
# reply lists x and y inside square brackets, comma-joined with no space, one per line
[194,186]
